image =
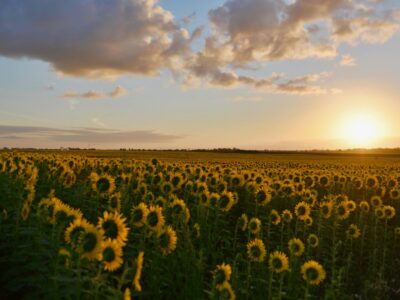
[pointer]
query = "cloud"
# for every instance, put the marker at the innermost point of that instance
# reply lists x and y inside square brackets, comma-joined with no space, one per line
[248,33]
[347,61]
[84,135]
[93,38]
[102,39]
[119,91]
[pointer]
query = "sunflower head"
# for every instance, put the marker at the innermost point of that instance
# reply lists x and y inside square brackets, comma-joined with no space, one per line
[256,250]
[275,217]
[296,247]
[313,240]
[389,212]
[90,242]
[353,232]
[167,239]
[278,262]
[313,273]
[155,219]
[364,205]
[139,214]
[114,227]
[222,274]
[302,210]
[242,222]
[254,225]
[287,216]
[111,255]
[342,212]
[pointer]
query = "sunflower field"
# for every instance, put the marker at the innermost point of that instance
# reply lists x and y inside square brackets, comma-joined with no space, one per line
[79,227]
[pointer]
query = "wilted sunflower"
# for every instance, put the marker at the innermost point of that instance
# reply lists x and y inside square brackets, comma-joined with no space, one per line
[139,214]
[278,262]
[302,210]
[167,240]
[242,222]
[90,242]
[138,273]
[275,217]
[313,240]
[155,219]
[353,232]
[222,274]
[287,216]
[254,225]
[313,272]
[296,247]
[256,250]
[114,227]
[111,255]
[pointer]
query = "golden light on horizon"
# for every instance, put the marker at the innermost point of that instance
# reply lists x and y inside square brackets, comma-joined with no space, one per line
[362,131]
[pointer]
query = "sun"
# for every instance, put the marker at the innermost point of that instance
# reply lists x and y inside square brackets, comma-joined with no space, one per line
[361,131]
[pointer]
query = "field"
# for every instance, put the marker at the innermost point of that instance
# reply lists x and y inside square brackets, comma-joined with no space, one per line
[199,225]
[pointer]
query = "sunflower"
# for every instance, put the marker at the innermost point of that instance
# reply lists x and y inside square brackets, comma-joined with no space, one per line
[278,262]
[102,184]
[351,205]
[313,240]
[155,219]
[167,240]
[139,214]
[342,212]
[64,256]
[243,221]
[222,274]
[178,208]
[25,211]
[111,255]
[287,216]
[226,292]
[389,212]
[353,232]
[256,250]
[313,272]
[254,225]
[376,201]
[308,221]
[397,231]
[138,273]
[326,209]
[275,217]
[302,210]
[210,199]
[90,242]
[114,202]
[263,196]
[379,213]
[127,294]
[364,205]
[394,194]
[114,227]
[296,247]
[371,182]
[74,230]
[226,201]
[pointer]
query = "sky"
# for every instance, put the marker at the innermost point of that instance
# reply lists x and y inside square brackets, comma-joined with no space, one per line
[169,74]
